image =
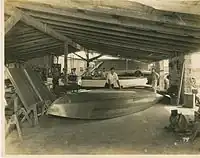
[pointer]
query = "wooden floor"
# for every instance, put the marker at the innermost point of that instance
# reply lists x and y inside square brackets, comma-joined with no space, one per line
[141,133]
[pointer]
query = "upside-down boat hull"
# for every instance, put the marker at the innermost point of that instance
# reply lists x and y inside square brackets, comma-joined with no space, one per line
[103,104]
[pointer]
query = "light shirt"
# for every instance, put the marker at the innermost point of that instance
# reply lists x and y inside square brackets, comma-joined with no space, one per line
[155,76]
[112,77]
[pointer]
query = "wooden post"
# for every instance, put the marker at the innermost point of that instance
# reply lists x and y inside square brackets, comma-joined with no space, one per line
[193,101]
[126,65]
[65,62]
[87,58]
[181,83]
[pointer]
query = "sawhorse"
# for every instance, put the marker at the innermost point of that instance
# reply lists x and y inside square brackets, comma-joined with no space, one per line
[19,110]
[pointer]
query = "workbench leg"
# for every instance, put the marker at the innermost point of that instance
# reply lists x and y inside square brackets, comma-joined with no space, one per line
[7,128]
[18,127]
[13,121]
[35,116]
[26,116]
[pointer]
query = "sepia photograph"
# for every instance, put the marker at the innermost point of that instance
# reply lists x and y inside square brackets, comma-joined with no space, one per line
[100,77]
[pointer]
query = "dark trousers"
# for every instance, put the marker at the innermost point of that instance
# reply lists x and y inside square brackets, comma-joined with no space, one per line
[55,83]
[107,85]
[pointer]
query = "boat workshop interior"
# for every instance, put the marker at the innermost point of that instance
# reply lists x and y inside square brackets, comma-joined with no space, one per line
[102,77]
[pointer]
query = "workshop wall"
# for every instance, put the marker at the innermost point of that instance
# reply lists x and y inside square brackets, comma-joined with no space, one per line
[175,69]
[196,67]
[42,62]
[121,65]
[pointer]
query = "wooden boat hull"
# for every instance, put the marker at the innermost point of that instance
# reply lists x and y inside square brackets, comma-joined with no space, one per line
[103,104]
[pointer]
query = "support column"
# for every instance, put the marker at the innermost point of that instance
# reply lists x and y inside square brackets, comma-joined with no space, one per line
[66,51]
[188,74]
[87,58]
[160,69]
[126,65]
[188,97]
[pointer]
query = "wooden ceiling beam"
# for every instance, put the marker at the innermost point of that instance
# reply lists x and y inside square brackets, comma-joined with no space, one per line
[40,26]
[123,32]
[79,56]
[117,50]
[166,17]
[18,40]
[164,43]
[42,52]
[134,46]
[32,42]
[129,42]
[126,22]
[140,39]
[127,55]
[11,21]
[33,47]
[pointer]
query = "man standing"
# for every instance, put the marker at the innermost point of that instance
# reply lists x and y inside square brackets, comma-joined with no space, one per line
[138,73]
[195,90]
[155,77]
[56,76]
[104,74]
[73,80]
[112,77]
[166,82]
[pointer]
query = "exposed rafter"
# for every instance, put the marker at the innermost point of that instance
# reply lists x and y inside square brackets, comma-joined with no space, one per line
[132,31]
[118,20]
[120,31]
[40,26]
[11,21]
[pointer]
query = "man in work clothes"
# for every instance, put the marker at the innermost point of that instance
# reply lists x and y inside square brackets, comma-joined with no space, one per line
[138,73]
[155,77]
[73,80]
[112,77]
[104,74]
[56,76]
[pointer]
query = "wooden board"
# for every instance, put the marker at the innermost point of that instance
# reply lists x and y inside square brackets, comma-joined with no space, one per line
[37,82]
[23,87]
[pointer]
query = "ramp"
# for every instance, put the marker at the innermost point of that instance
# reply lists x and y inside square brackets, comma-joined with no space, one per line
[39,86]
[23,87]
[29,86]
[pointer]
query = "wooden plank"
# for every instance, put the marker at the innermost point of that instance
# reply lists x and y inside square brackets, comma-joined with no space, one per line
[40,26]
[126,22]
[11,22]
